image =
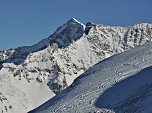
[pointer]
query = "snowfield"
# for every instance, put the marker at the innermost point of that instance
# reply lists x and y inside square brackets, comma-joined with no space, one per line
[119,84]
[31,75]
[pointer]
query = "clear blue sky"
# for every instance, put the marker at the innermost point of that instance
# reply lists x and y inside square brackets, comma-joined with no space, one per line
[25,22]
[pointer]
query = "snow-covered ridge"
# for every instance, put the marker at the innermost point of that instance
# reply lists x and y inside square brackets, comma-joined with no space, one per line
[120,84]
[64,35]
[51,65]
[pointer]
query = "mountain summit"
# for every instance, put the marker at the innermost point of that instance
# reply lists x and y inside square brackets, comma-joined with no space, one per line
[70,31]
[51,65]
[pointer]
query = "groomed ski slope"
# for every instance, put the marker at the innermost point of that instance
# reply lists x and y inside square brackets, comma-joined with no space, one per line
[119,84]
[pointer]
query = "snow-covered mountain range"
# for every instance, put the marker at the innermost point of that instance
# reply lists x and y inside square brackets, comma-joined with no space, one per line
[29,76]
[119,84]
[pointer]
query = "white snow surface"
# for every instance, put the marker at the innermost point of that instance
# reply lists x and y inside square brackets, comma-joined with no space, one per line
[39,72]
[119,84]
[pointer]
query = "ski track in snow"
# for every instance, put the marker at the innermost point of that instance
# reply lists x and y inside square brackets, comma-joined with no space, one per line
[136,64]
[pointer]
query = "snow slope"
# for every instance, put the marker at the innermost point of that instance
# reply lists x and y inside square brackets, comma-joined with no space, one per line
[119,84]
[43,70]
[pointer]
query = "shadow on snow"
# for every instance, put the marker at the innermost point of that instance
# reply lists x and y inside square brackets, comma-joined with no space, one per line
[129,95]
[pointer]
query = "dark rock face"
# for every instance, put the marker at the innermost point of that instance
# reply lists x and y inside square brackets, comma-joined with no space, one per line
[89,25]
[67,33]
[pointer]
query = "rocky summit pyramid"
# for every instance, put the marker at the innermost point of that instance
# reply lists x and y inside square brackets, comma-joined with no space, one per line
[31,75]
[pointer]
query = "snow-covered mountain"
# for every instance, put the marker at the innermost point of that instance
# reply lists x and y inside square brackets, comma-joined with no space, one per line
[119,84]
[41,71]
